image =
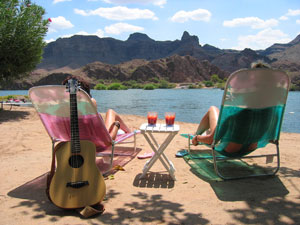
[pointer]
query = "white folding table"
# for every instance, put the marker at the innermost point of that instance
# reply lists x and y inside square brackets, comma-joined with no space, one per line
[148,131]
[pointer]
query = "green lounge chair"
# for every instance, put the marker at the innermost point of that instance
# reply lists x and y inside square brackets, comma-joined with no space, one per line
[252,110]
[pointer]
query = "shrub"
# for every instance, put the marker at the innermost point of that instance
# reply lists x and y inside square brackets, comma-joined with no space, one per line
[215,79]
[137,86]
[208,83]
[163,84]
[294,87]
[132,84]
[116,86]
[221,85]
[172,85]
[11,97]
[149,87]
[100,86]
[192,86]
[154,80]
[200,85]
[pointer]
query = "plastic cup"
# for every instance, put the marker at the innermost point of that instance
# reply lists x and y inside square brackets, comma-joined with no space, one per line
[152,118]
[170,118]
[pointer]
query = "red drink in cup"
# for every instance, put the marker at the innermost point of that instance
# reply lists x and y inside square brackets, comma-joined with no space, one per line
[152,118]
[170,118]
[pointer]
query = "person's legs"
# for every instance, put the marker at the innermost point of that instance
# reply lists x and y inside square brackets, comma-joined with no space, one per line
[209,121]
[111,117]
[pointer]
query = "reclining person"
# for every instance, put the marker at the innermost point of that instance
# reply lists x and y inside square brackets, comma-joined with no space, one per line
[113,122]
[209,123]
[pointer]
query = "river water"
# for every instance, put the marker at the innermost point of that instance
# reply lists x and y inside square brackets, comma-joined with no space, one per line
[188,104]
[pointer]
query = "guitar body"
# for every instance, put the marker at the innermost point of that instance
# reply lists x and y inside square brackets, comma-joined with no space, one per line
[77,181]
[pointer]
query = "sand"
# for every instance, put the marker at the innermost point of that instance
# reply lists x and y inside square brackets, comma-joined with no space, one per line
[196,197]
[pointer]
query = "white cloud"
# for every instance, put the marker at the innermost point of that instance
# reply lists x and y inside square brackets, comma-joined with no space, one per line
[57,1]
[292,12]
[253,22]
[119,13]
[98,33]
[59,23]
[50,40]
[283,18]
[160,3]
[298,21]
[262,39]
[197,15]
[119,28]
[81,12]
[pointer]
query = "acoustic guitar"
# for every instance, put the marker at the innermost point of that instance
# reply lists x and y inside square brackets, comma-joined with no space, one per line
[77,182]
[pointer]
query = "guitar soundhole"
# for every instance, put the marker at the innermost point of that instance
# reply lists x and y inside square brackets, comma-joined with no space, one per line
[76,161]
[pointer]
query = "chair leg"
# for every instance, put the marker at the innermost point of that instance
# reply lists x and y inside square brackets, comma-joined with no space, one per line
[252,175]
[134,145]
[112,155]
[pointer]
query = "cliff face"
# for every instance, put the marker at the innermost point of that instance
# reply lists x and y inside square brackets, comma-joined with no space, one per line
[175,69]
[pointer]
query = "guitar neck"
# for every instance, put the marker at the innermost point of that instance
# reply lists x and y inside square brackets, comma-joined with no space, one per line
[75,140]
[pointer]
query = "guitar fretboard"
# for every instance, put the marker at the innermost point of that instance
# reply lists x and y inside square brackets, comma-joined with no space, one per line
[75,140]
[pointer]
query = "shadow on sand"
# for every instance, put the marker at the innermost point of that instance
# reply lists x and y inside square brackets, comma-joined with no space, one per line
[11,115]
[152,209]
[154,180]
[265,197]
[146,208]
[34,191]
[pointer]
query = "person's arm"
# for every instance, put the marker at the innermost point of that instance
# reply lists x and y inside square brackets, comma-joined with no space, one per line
[94,102]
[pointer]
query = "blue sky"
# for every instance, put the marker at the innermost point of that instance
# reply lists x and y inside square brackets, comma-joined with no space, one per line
[234,24]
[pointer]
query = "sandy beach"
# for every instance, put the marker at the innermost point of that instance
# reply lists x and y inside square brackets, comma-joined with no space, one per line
[196,197]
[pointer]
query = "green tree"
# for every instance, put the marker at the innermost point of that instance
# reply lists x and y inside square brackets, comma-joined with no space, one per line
[22,30]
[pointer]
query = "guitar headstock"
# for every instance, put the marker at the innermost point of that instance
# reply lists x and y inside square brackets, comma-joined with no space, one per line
[72,85]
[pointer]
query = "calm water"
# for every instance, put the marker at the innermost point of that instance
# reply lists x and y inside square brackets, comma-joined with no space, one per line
[189,104]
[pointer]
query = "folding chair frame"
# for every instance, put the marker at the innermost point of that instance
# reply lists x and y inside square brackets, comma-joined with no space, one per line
[216,158]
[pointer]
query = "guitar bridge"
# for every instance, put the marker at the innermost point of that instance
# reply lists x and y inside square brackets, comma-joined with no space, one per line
[78,184]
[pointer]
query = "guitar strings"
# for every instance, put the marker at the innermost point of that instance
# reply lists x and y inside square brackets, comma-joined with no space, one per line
[74,134]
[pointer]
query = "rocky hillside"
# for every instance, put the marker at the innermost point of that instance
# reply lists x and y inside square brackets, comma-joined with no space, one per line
[175,69]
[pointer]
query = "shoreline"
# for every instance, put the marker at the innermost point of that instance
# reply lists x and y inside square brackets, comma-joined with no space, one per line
[194,198]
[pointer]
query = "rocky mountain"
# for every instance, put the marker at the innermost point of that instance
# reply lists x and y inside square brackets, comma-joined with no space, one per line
[78,51]
[232,61]
[142,58]
[287,57]
[276,48]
